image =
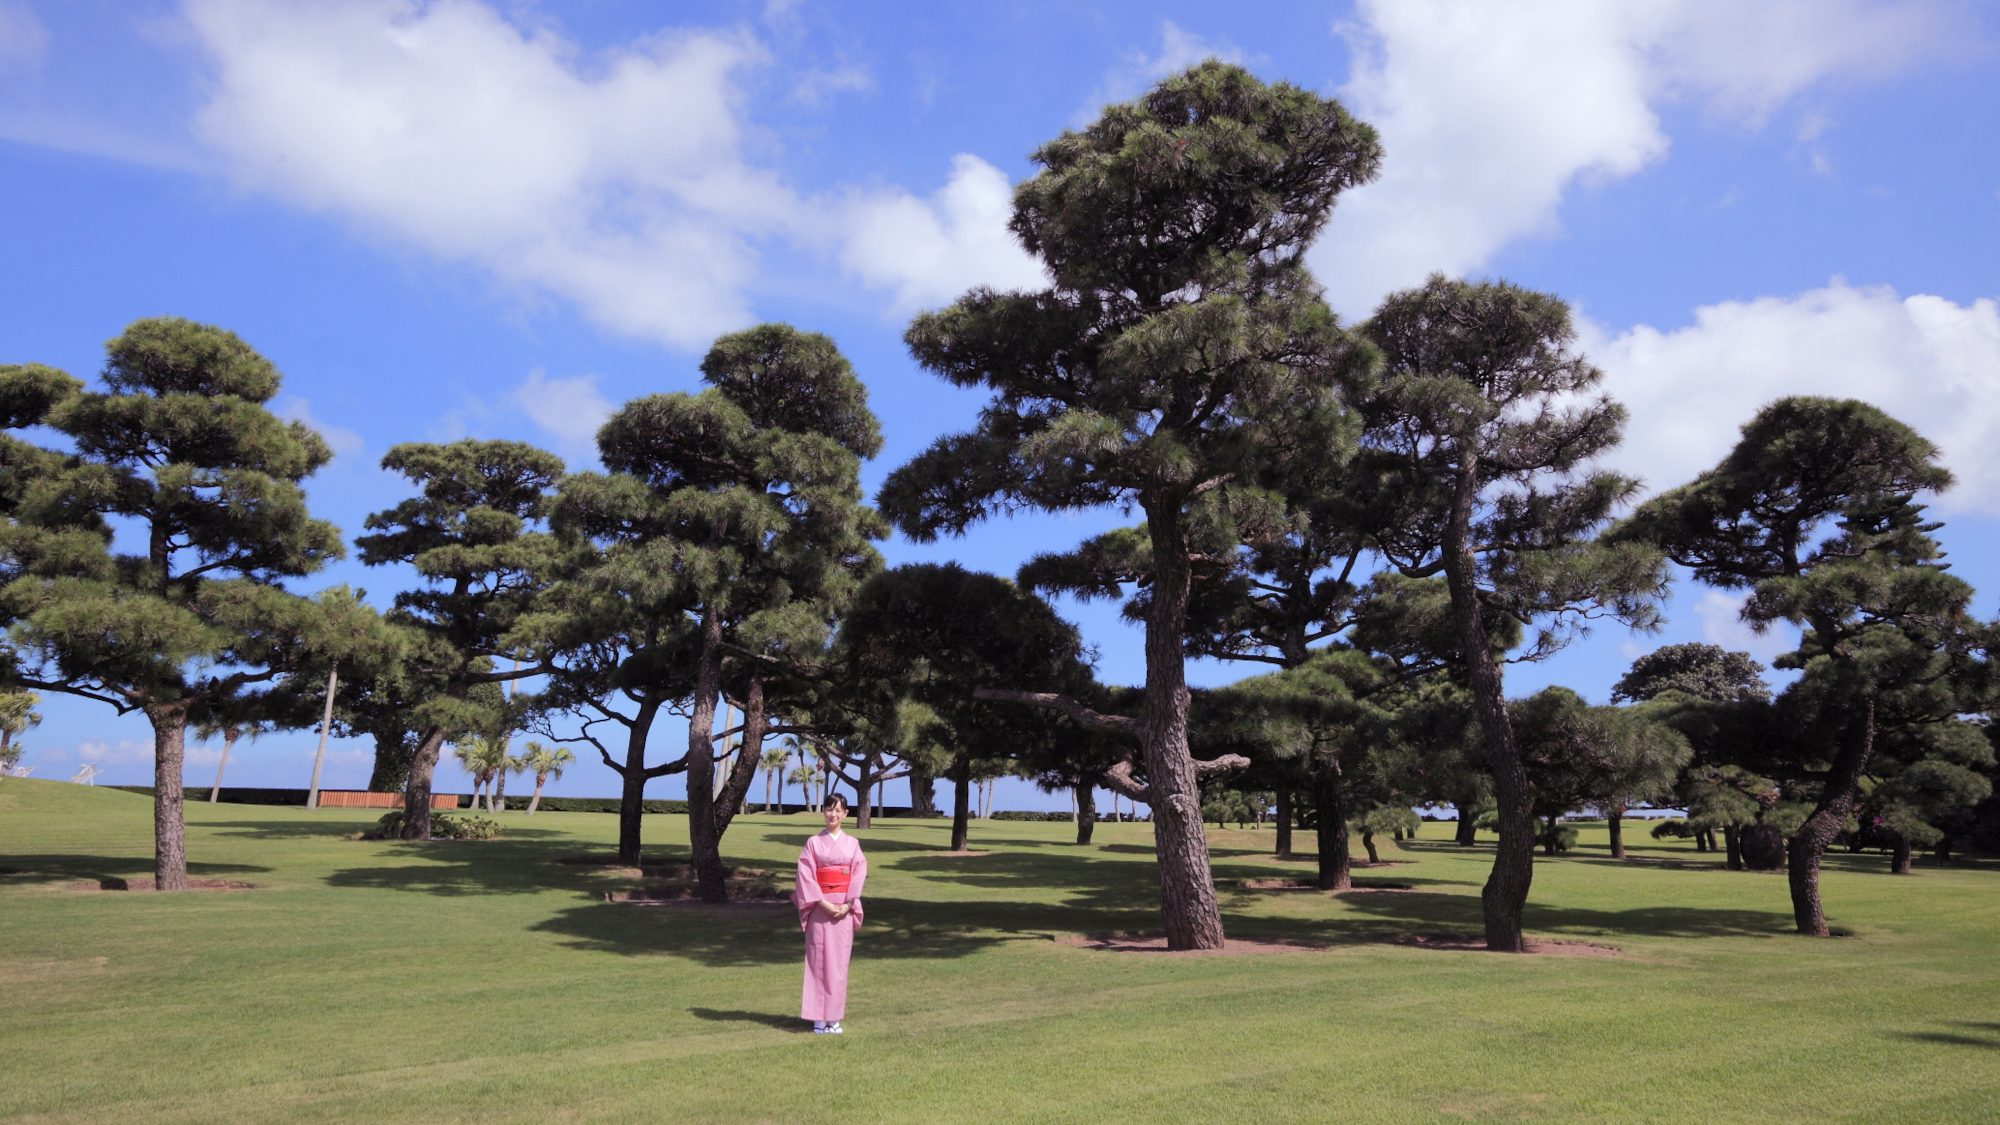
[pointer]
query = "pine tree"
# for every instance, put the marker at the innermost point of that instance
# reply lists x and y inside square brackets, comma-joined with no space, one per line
[1180,327]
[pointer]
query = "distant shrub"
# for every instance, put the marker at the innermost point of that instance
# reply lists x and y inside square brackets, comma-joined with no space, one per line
[1672,828]
[444,826]
[1012,814]
[1563,835]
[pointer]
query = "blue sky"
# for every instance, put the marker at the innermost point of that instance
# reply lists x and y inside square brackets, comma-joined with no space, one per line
[502,219]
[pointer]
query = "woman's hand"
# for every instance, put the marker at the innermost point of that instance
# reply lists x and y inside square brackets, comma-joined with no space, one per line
[833,911]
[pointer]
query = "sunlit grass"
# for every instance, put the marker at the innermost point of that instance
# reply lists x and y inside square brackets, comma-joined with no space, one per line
[372,981]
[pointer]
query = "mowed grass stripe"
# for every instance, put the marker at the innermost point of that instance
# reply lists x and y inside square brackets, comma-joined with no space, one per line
[486,982]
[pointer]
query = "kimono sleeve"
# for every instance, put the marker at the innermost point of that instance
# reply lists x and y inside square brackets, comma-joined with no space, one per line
[806,893]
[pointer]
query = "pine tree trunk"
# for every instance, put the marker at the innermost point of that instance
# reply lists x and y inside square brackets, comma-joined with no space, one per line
[961,804]
[1617,824]
[865,789]
[1187,886]
[923,801]
[1086,812]
[1732,837]
[1549,837]
[392,761]
[1284,823]
[1368,842]
[417,792]
[1899,858]
[1504,899]
[169,832]
[1701,843]
[632,785]
[750,745]
[1836,804]
[1467,833]
[1335,861]
[702,839]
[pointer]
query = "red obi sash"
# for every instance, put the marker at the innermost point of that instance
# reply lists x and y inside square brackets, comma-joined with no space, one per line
[833,880]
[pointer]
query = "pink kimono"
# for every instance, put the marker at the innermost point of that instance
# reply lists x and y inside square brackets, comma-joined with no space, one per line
[831,868]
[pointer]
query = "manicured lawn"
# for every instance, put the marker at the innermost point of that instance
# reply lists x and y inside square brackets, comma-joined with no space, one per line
[381,982]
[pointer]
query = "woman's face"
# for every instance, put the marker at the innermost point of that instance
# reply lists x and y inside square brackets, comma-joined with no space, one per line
[834,815]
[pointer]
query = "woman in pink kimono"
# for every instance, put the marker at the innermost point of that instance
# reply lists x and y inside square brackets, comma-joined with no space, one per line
[828,895]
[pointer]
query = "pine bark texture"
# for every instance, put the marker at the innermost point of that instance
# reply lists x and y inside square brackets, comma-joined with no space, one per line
[961,805]
[1336,861]
[1617,824]
[417,793]
[169,834]
[1086,813]
[1187,887]
[1284,824]
[703,841]
[1504,899]
[1836,804]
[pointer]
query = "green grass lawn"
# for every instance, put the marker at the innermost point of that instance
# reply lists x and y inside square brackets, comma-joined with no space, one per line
[368,981]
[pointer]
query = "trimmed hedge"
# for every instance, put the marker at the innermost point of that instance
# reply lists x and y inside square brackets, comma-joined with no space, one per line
[593,804]
[231,795]
[1038,817]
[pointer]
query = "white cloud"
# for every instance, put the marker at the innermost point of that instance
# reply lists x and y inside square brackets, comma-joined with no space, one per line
[1928,361]
[1138,70]
[1722,624]
[931,250]
[1490,112]
[23,39]
[342,441]
[616,182]
[570,409]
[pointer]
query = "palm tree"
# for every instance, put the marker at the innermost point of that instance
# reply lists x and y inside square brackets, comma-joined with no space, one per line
[546,762]
[497,800]
[231,732]
[773,762]
[17,714]
[485,759]
[803,777]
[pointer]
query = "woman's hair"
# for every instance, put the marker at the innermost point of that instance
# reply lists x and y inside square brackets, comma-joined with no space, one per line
[834,799]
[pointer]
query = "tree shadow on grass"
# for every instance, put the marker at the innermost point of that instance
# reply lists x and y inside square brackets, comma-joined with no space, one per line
[21,870]
[792,1024]
[1083,879]
[1462,913]
[1989,1037]
[722,937]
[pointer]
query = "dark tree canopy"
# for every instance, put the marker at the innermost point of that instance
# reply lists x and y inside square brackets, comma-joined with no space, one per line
[1704,671]
[474,534]
[1814,512]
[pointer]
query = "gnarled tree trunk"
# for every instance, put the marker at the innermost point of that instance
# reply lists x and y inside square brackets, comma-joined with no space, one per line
[1617,824]
[1504,899]
[1086,812]
[417,792]
[1836,804]
[703,840]
[1732,838]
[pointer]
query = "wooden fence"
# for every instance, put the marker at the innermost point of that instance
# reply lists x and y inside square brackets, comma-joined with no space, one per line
[345,799]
